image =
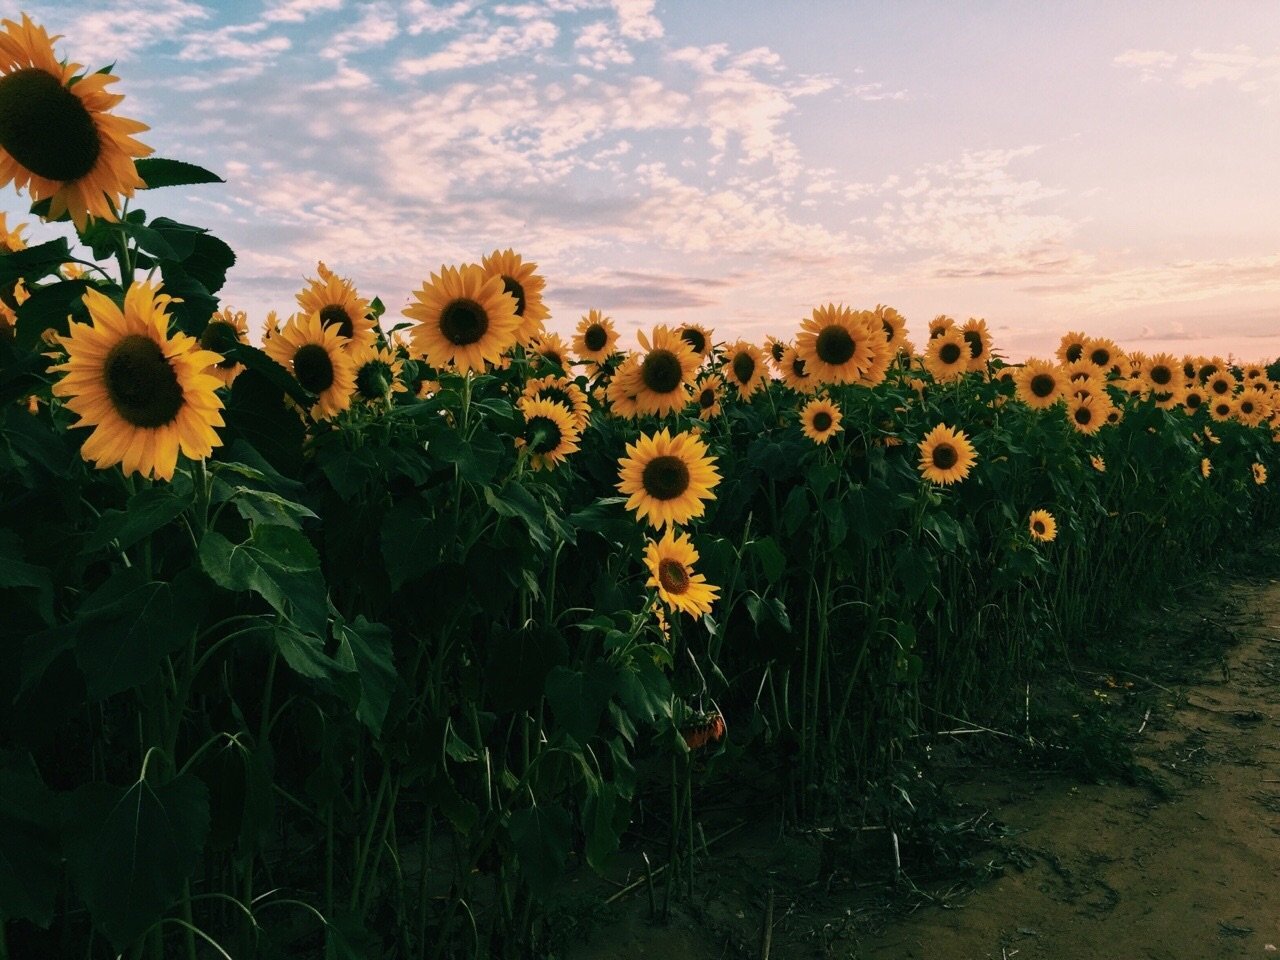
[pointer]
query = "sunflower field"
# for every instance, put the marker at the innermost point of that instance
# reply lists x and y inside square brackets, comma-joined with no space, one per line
[361,639]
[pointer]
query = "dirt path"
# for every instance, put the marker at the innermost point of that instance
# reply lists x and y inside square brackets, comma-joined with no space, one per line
[1086,872]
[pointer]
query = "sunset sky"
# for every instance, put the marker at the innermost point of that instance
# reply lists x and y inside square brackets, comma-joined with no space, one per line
[1045,166]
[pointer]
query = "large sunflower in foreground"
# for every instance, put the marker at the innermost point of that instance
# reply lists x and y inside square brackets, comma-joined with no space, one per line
[667,478]
[947,356]
[224,329]
[820,420]
[670,562]
[316,356]
[661,376]
[744,367]
[549,432]
[525,285]
[946,455]
[1042,526]
[1039,384]
[465,319]
[57,139]
[836,344]
[338,304]
[147,395]
[596,337]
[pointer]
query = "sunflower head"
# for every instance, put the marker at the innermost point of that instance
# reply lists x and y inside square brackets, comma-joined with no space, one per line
[465,319]
[1071,347]
[946,455]
[978,340]
[697,337]
[1039,384]
[839,346]
[11,240]
[378,373]
[947,356]
[667,478]
[940,325]
[663,373]
[820,420]
[1088,415]
[595,338]
[225,329]
[524,284]
[563,391]
[316,355]
[670,562]
[1042,526]
[1259,474]
[1098,463]
[1206,467]
[341,307]
[744,367]
[549,433]
[708,395]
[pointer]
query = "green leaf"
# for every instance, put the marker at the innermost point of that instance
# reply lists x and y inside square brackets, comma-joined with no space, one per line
[262,506]
[277,563]
[48,309]
[772,560]
[542,838]
[158,172]
[412,542]
[33,581]
[602,829]
[514,500]
[32,263]
[147,511]
[367,647]
[130,851]
[643,687]
[304,653]
[280,378]
[578,699]
[257,418]
[30,862]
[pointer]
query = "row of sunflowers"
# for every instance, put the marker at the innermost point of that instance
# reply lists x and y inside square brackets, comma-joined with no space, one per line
[366,639]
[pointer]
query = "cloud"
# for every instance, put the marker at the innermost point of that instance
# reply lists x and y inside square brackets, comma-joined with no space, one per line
[599,49]
[636,20]
[1150,64]
[485,46]
[628,289]
[376,27]
[426,17]
[1239,68]
[296,11]
[120,30]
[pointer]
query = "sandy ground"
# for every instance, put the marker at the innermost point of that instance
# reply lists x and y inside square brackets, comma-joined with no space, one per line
[1080,872]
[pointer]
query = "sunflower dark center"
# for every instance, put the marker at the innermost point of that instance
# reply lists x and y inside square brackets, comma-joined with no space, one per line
[835,345]
[556,395]
[665,478]
[1042,385]
[1223,409]
[143,387]
[1194,400]
[707,398]
[512,286]
[1246,406]
[1220,387]
[45,127]
[1189,369]
[777,350]
[744,367]
[313,368]
[1161,374]
[1084,416]
[694,338]
[1038,526]
[673,576]
[797,367]
[374,380]
[889,331]
[220,336]
[552,357]
[949,353]
[945,456]
[822,421]
[544,434]
[463,322]
[596,337]
[974,339]
[661,371]
[1100,357]
[335,314]
[1074,352]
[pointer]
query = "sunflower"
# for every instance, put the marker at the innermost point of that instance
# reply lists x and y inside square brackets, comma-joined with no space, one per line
[697,337]
[1090,386]
[1088,415]
[670,562]
[1221,384]
[946,455]
[1259,474]
[147,395]
[707,395]
[338,304]
[1206,467]
[1098,463]
[940,325]
[1252,371]
[10,240]
[836,345]
[1071,347]
[744,367]
[1161,373]
[820,420]
[1190,366]
[270,327]
[667,477]
[464,318]
[522,281]
[315,354]
[563,391]
[1221,409]
[548,348]
[794,373]
[775,349]
[549,432]
[1209,366]
[894,326]
[1251,407]
[57,140]
[1042,525]
[660,379]
[224,329]
[595,338]
[947,357]
[1039,384]
[1102,353]
[623,389]
[378,374]
[978,337]
[1193,398]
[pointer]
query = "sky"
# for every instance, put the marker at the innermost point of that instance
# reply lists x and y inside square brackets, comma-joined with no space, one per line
[1047,166]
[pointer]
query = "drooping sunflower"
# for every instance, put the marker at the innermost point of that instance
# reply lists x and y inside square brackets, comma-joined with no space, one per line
[1259,474]
[525,285]
[978,338]
[1088,415]
[549,432]
[547,349]
[225,328]
[662,376]
[794,373]
[667,478]
[57,139]
[744,367]
[336,300]
[940,325]
[946,455]
[1221,384]
[894,326]
[707,395]
[820,420]
[378,374]
[465,319]
[1039,384]
[10,240]
[1071,347]
[1042,526]
[836,345]
[947,357]
[596,338]
[1206,467]
[563,391]
[697,337]
[1098,463]
[775,349]
[148,395]
[670,562]
[317,358]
